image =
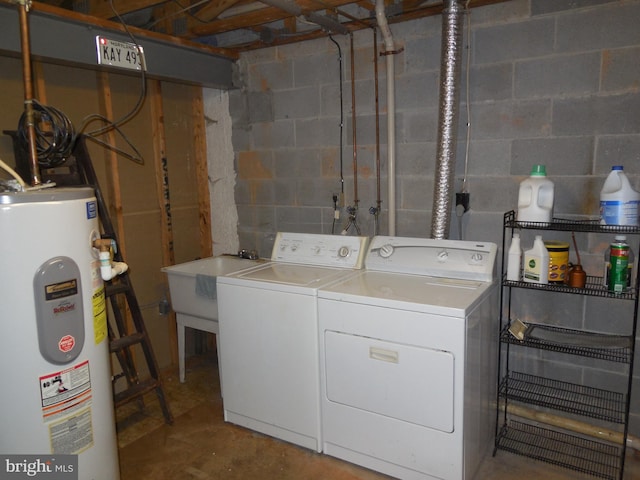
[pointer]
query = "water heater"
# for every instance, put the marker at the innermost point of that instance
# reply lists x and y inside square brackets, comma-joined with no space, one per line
[56,393]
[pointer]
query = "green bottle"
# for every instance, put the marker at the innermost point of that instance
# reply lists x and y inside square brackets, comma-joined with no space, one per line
[619,266]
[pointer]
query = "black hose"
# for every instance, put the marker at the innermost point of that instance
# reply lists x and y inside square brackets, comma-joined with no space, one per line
[54,135]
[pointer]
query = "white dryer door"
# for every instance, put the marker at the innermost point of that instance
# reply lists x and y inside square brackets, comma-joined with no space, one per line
[404,382]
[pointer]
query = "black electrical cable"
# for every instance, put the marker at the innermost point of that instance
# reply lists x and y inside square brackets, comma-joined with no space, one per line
[341,113]
[54,135]
[353,211]
[336,214]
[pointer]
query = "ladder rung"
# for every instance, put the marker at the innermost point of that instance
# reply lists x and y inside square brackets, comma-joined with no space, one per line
[127,341]
[114,289]
[135,391]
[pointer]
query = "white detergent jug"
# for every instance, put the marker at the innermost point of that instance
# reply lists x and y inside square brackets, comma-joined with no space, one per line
[618,200]
[535,198]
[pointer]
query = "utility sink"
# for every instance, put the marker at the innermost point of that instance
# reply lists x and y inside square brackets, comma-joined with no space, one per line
[192,287]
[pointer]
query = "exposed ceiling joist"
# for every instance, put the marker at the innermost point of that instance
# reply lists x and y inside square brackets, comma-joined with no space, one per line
[102,8]
[240,25]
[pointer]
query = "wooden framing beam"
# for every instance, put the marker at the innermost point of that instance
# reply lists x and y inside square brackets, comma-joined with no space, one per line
[202,174]
[102,8]
[159,140]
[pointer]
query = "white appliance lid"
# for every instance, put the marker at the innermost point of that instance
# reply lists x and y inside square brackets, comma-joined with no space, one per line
[287,274]
[420,293]
[459,259]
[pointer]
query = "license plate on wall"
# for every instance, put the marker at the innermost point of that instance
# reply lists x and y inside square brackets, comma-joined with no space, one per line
[120,54]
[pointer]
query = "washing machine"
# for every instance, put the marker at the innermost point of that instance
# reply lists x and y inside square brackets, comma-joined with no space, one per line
[268,323]
[407,358]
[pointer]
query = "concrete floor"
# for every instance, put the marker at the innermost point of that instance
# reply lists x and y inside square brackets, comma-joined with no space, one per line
[200,445]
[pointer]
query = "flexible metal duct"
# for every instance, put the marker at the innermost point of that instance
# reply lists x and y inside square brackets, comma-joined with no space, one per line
[451,56]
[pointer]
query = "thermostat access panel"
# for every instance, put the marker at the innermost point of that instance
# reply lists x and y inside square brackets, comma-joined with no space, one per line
[59,310]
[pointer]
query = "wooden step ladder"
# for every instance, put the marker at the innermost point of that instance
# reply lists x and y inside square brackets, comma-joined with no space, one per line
[122,297]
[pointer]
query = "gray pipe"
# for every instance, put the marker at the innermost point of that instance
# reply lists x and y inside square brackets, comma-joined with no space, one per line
[451,59]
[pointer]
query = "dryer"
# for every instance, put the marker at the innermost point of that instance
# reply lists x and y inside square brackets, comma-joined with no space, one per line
[407,358]
[268,325]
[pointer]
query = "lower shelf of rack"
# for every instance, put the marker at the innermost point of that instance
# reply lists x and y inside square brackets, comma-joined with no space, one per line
[563,396]
[598,459]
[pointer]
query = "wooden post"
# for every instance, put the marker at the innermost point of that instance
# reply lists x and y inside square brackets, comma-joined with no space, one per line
[202,174]
[113,195]
[163,196]
[202,179]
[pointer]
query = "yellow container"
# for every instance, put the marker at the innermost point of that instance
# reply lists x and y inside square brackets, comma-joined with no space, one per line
[558,261]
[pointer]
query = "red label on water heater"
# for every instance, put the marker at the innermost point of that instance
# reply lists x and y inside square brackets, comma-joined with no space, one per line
[66,343]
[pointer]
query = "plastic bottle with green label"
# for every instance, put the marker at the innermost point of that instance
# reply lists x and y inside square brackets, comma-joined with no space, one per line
[536,262]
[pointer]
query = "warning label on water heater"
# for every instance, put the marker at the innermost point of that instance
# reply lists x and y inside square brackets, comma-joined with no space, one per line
[73,434]
[66,408]
[100,331]
[65,392]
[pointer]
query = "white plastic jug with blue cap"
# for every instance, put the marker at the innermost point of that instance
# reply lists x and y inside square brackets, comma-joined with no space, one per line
[619,202]
[535,198]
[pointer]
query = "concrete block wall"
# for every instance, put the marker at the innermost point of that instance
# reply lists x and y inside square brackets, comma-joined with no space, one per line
[555,82]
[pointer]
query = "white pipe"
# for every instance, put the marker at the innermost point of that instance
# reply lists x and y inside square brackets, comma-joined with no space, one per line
[391,113]
[108,269]
[14,174]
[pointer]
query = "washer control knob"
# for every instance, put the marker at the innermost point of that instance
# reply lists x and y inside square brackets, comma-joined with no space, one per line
[386,251]
[344,252]
[477,258]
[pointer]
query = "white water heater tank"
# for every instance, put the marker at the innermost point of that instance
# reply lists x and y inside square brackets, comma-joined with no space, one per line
[56,393]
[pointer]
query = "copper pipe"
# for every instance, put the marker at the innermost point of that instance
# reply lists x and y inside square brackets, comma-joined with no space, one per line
[375,76]
[353,114]
[27,75]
